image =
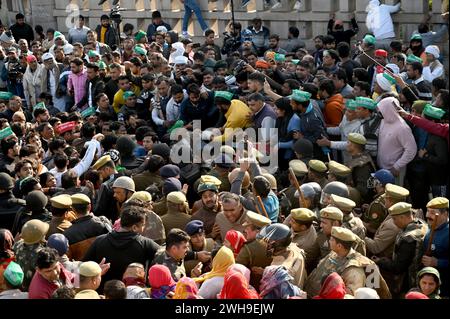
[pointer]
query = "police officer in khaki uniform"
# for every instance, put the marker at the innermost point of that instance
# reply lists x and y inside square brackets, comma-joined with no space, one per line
[154,227]
[353,267]
[210,205]
[198,242]
[303,232]
[285,253]
[349,221]
[223,165]
[405,261]
[361,164]
[329,217]
[171,184]
[317,172]
[90,276]
[60,208]
[341,173]
[253,254]
[176,216]
[301,171]
[383,241]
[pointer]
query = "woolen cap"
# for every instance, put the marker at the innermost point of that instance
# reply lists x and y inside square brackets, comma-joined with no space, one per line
[194,227]
[13,274]
[169,170]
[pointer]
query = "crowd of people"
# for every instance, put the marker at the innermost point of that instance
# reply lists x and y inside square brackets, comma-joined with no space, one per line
[93,204]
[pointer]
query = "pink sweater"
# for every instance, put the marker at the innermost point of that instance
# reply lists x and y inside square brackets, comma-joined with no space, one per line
[396,144]
[77,83]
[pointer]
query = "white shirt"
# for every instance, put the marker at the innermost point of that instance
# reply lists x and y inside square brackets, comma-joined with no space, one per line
[90,95]
[379,20]
[52,82]
[438,71]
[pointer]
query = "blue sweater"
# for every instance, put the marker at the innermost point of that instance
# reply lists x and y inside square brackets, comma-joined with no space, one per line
[439,247]
[294,125]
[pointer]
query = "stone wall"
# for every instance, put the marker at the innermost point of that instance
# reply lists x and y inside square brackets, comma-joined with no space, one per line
[311,20]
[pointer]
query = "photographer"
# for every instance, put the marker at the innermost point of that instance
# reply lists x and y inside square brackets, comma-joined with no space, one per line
[233,40]
[13,72]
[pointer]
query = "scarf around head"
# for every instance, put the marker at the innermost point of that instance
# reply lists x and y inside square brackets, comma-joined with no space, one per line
[186,288]
[223,259]
[6,244]
[236,240]
[276,283]
[235,286]
[332,288]
[242,269]
[161,281]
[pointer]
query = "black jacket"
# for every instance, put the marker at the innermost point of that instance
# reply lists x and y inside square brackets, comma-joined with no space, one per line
[86,227]
[121,249]
[343,36]
[106,203]
[5,161]
[98,86]
[436,160]
[24,215]
[9,206]
[111,88]
[24,31]
[110,36]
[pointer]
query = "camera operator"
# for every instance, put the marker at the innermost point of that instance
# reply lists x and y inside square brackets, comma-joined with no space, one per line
[13,72]
[106,32]
[233,40]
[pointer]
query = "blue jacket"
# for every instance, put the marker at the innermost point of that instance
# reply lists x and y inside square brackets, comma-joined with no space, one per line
[311,125]
[294,125]
[439,247]
[271,204]
[151,30]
